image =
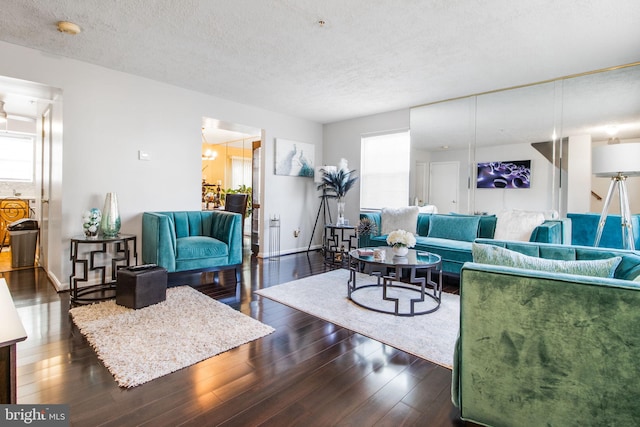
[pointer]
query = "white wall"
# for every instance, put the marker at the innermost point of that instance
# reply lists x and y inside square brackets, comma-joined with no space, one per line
[579,174]
[109,116]
[342,140]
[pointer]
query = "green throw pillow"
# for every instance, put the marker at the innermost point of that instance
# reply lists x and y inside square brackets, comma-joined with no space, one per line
[496,255]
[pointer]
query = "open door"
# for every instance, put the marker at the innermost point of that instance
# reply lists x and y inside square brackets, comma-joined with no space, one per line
[45,186]
[256,147]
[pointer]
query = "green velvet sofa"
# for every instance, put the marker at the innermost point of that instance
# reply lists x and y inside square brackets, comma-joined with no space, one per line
[185,242]
[451,235]
[543,348]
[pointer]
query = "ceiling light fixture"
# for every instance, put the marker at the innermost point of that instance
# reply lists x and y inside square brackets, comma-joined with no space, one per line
[3,113]
[612,130]
[68,28]
[210,155]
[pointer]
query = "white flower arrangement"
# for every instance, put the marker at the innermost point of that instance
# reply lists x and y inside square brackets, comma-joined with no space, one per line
[401,238]
[91,221]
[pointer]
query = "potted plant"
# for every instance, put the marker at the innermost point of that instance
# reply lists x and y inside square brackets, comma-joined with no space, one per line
[335,183]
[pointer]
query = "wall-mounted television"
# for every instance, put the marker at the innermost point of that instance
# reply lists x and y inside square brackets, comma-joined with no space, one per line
[505,174]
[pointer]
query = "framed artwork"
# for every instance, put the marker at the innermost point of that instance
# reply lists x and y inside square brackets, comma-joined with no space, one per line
[294,158]
[507,174]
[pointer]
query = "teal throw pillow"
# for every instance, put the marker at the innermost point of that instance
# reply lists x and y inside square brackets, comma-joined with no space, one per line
[463,228]
[496,255]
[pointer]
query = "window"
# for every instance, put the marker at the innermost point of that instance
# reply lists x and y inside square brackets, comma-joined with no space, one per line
[384,175]
[16,158]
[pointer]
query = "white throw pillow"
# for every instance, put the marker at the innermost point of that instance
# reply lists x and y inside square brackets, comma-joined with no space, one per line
[517,225]
[432,209]
[399,219]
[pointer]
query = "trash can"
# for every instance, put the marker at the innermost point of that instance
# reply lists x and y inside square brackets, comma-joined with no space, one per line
[24,235]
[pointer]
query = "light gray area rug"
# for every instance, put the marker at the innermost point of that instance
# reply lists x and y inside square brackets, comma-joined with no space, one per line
[429,336]
[140,345]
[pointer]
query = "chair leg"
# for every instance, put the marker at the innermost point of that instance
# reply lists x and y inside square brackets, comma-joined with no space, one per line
[238,274]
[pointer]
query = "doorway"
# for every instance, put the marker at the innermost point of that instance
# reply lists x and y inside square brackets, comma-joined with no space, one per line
[444,186]
[29,107]
[229,166]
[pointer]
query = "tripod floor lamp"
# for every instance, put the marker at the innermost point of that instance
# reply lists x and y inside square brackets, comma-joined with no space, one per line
[617,161]
[323,208]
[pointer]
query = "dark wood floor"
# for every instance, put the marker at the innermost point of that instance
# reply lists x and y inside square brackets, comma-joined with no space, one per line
[309,372]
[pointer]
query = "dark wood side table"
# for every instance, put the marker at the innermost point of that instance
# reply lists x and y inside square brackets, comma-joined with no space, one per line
[339,240]
[120,249]
[11,333]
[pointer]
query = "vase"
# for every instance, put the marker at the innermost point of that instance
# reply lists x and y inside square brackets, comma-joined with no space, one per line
[400,250]
[91,223]
[110,224]
[341,220]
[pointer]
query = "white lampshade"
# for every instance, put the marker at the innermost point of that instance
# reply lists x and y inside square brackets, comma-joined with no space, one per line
[611,160]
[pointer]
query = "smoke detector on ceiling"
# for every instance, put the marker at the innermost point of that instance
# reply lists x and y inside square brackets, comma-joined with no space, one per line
[68,27]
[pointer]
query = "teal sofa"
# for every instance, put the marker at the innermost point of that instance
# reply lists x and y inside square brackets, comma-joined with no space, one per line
[451,235]
[192,241]
[543,348]
[585,225]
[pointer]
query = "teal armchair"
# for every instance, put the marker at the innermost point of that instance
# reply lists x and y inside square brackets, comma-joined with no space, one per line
[585,225]
[193,241]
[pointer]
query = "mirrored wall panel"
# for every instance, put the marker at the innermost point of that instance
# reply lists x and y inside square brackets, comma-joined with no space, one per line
[525,148]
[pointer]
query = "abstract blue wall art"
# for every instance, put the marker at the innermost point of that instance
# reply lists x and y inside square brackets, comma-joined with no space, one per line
[506,174]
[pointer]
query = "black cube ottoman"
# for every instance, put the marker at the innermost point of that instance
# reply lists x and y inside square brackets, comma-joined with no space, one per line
[141,287]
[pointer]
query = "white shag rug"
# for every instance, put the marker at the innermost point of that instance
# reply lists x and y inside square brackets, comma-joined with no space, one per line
[140,345]
[430,336]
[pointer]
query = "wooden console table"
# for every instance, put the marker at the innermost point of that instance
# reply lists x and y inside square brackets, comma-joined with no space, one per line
[11,333]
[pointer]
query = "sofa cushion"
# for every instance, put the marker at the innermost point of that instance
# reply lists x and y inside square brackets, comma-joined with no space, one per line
[195,247]
[517,225]
[487,225]
[496,255]
[454,227]
[399,219]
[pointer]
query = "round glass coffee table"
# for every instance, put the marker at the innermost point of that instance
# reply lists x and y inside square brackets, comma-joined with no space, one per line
[404,286]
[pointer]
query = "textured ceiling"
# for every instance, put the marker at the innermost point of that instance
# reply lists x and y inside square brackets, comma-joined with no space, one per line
[370,56]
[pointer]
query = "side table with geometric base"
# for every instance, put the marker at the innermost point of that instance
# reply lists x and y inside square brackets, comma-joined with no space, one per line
[339,240]
[105,257]
[405,286]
